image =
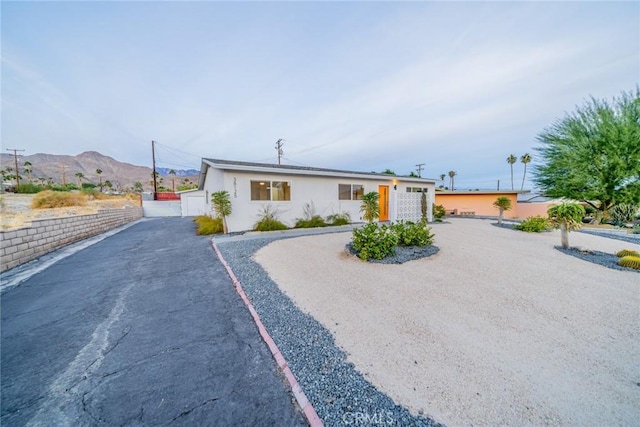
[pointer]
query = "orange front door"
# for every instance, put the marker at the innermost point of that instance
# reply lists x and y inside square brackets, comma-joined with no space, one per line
[383,191]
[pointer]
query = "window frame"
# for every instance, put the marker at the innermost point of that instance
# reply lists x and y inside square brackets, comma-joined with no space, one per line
[353,196]
[269,186]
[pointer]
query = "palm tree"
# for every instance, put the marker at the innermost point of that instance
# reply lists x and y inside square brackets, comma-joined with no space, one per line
[370,206]
[503,203]
[511,160]
[222,205]
[173,180]
[137,187]
[452,174]
[566,217]
[80,175]
[28,170]
[526,158]
[99,172]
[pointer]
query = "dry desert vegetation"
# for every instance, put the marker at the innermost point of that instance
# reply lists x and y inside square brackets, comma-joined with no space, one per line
[17,211]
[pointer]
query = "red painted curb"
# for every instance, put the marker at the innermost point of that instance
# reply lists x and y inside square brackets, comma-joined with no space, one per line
[301,398]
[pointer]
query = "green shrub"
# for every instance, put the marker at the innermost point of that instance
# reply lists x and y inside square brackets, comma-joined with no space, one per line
[627,252]
[635,229]
[268,220]
[88,186]
[29,188]
[208,225]
[314,221]
[534,224]
[412,234]
[439,212]
[630,262]
[339,218]
[51,199]
[374,241]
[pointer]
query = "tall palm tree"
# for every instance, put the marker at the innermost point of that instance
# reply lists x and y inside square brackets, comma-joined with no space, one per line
[452,174]
[526,158]
[511,160]
[173,180]
[99,172]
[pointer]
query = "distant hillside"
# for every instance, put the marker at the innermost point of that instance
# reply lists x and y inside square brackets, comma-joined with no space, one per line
[121,175]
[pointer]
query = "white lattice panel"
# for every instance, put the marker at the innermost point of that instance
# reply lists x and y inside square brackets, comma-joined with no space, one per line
[409,207]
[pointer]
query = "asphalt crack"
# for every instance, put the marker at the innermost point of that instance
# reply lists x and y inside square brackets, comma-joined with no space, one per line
[188,411]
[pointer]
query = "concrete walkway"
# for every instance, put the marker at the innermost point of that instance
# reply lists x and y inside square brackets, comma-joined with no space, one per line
[141,328]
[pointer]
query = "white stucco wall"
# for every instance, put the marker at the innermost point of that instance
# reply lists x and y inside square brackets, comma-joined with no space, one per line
[193,203]
[321,190]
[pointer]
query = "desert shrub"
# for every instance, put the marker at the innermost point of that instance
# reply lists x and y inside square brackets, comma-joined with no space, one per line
[534,224]
[627,252]
[623,213]
[374,241]
[208,225]
[52,199]
[630,262]
[88,186]
[635,229]
[29,188]
[342,218]
[268,220]
[314,221]
[412,234]
[439,212]
[66,187]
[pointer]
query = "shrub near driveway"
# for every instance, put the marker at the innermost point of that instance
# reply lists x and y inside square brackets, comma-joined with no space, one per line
[534,224]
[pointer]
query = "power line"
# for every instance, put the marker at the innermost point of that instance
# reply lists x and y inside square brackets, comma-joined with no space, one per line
[419,169]
[15,160]
[279,144]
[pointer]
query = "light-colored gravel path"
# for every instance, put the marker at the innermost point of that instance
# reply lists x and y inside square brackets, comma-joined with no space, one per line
[498,328]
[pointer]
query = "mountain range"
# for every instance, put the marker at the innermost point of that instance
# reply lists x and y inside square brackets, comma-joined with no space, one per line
[61,168]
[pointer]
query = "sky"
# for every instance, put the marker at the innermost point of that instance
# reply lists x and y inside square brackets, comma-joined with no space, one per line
[360,86]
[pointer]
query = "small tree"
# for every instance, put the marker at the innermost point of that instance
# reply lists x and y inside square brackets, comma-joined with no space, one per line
[370,206]
[566,217]
[222,205]
[502,203]
[80,176]
[593,155]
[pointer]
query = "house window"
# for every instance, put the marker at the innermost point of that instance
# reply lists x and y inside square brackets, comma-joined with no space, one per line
[350,191]
[417,190]
[270,190]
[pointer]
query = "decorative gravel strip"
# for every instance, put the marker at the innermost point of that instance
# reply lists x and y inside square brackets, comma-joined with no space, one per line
[596,257]
[403,254]
[630,238]
[338,392]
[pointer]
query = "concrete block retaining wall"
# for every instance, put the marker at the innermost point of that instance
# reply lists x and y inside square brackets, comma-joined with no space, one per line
[46,235]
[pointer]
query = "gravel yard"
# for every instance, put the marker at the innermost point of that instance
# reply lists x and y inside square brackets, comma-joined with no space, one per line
[497,328]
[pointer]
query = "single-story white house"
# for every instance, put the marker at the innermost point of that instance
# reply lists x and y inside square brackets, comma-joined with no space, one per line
[287,189]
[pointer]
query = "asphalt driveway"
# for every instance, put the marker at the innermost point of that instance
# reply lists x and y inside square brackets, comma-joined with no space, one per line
[141,328]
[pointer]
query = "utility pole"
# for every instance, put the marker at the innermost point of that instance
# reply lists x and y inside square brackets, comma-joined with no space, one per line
[419,168]
[155,183]
[64,175]
[279,144]
[15,161]
[498,185]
